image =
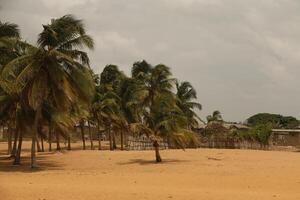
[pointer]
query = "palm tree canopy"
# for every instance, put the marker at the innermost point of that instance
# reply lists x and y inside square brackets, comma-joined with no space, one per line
[9,35]
[215,117]
[141,70]
[186,94]
[9,30]
[67,34]
[53,74]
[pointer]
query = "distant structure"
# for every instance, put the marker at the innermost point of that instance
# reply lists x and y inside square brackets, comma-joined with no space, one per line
[143,143]
[285,137]
[236,126]
[228,125]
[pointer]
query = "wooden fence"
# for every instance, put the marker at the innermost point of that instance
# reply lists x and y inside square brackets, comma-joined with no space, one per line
[230,143]
[143,143]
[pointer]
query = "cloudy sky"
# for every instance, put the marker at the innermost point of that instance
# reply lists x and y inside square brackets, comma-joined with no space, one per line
[243,57]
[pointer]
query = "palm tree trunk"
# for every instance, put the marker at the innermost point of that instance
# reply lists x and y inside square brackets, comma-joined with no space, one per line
[18,153]
[110,140]
[9,140]
[69,142]
[50,138]
[38,144]
[82,134]
[42,142]
[1,135]
[122,140]
[91,136]
[99,136]
[157,154]
[14,149]
[57,141]
[34,136]
[114,140]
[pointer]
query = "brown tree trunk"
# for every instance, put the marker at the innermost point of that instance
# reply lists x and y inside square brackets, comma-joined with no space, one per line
[69,142]
[14,149]
[41,148]
[18,153]
[114,140]
[157,154]
[38,144]
[9,140]
[34,136]
[122,140]
[82,134]
[99,136]
[50,138]
[42,142]
[110,140]
[57,141]
[91,136]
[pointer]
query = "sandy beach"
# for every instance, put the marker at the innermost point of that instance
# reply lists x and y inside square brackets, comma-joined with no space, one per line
[211,174]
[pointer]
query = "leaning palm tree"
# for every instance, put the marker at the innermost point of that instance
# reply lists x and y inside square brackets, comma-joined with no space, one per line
[166,121]
[162,118]
[56,72]
[186,94]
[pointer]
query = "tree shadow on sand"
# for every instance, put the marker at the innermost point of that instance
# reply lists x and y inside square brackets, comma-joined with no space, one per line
[151,162]
[44,164]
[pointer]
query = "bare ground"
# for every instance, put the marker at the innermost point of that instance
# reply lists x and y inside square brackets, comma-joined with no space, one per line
[208,174]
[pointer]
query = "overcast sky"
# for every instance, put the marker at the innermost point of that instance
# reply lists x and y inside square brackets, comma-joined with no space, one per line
[242,56]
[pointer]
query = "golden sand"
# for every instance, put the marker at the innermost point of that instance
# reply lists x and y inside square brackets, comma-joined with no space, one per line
[194,174]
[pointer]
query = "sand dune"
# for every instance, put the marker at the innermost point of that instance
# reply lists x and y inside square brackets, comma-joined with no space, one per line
[208,174]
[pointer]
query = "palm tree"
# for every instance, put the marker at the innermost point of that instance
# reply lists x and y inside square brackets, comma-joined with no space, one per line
[162,117]
[215,117]
[10,48]
[111,80]
[56,72]
[9,37]
[186,94]
[106,108]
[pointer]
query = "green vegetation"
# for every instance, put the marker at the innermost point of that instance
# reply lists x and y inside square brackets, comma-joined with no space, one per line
[276,121]
[51,84]
[215,117]
[259,133]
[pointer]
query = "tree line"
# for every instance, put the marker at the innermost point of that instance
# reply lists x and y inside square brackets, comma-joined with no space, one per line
[51,84]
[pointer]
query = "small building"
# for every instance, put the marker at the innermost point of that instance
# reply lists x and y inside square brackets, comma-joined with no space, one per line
[285,137]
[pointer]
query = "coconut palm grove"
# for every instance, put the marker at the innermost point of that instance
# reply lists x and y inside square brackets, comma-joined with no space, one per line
[68,127]
[52,84]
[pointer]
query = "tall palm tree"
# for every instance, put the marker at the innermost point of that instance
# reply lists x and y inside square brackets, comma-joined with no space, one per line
[10,48]
[162,117]
[186,94]
[56,72]
[111,85]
